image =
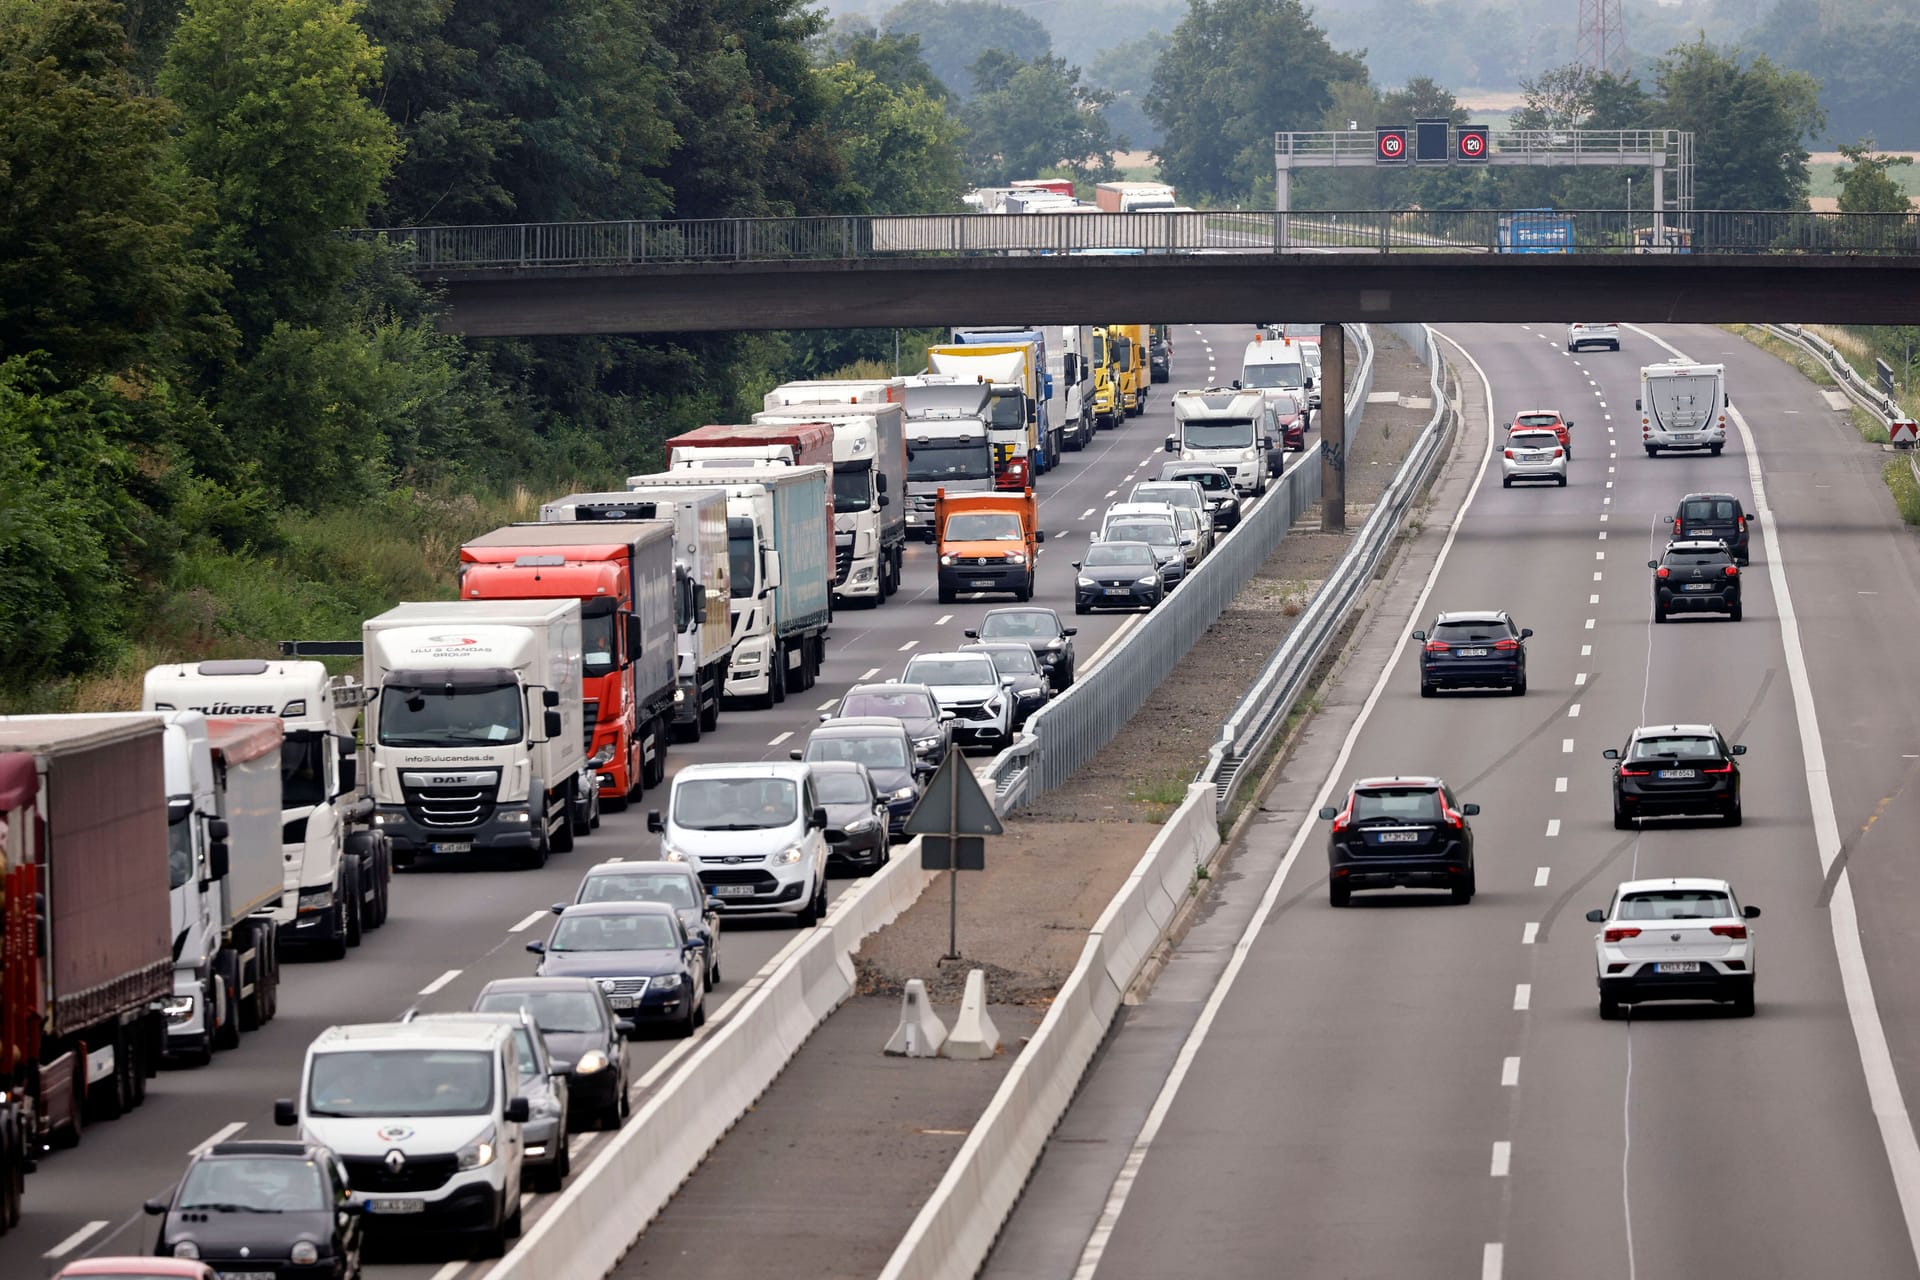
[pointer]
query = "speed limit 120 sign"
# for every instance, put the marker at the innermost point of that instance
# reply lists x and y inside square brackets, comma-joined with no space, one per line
[1390,145]
[1473,143]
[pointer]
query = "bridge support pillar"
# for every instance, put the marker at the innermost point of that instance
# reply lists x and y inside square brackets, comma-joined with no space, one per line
[1333,429]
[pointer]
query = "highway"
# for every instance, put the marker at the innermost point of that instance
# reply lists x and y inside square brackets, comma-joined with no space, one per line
[1411,1088]
[454,928]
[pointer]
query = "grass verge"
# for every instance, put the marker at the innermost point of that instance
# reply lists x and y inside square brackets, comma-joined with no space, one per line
[1905,489]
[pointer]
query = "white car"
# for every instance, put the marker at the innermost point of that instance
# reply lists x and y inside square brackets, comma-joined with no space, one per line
[1674,940]
[1533,455]
[1591,334]
[970,687]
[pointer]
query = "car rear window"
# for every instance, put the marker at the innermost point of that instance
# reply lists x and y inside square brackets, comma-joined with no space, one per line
[1696,559]
[1405,804]
[1469,632]
[1676,904]
[1707,511]
[1677,747]
[1538,419]
[1534,439]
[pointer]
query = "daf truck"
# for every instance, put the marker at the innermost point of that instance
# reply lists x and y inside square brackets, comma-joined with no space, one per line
[869,470]
[336,861]
[623,575]
[1683,406]
[948,444]
[1011,422]
[1225,427]
[1037,380]
[780,550]
[478,728]
[703,635]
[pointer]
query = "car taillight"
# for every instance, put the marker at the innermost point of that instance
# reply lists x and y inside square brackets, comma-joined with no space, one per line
[1438,646]
[1559,453]
[1738,932]
[1741,523]
[1732,572]
[1509,453]
[1621,935]
[1676,524]
[1661,572]
[1633,773]
[1719,768]
[1506,646]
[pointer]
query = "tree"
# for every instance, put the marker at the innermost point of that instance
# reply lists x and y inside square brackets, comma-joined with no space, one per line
[274,121]
[1127,70]
[1575,97]
[1865,184]
[895,58]
[1027,116]
[953,33]
[1235,72]
[900,150]
[1750,124]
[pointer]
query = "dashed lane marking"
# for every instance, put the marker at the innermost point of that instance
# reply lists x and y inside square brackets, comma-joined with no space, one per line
[533,918]
[77,1239]
[1528,934]
[1502,1159]
[870,673]
[439,982]
[1522,996]
[1492,1259]
[908,645]
[1559,784]
[220,1135]
[943,620]
[779,738]
[1573,712]
[1566,746]
[1540,877]
[1553,827]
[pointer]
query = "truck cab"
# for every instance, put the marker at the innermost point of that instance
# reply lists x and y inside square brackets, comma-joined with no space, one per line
[869,470]
[1225,427]
[1131,362]
[987,542]
[948,445]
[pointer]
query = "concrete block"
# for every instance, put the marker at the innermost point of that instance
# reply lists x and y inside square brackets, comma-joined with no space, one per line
[974,1035]
[920,1033]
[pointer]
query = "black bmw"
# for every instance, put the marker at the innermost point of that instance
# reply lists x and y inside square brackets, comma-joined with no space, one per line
[1674,770]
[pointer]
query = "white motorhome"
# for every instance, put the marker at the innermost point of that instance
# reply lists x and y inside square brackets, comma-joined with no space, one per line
[478,732]
[1683,406]
[1226,427]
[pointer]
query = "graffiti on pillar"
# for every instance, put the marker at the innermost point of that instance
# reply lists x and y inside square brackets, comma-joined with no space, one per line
[1334,455]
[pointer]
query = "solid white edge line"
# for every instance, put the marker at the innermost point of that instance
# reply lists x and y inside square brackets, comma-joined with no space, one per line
[439,982]
[75,1240]
[1869,1031]
[1190,1050]
[219,1136]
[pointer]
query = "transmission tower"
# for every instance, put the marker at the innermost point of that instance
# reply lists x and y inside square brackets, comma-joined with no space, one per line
[1603,35]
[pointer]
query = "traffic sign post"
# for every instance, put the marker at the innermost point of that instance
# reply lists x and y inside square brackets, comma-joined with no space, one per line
[952,815]
[1904,433]
[1389,144]
[1473,142]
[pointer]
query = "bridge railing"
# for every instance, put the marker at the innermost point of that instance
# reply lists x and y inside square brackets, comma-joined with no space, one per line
[439,250]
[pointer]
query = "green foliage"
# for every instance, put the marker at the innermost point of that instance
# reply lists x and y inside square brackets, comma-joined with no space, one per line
[1865,184]
[1906,492]
[953,34]
[1864,57]
[1126,70]
[1750,122]
[1026,116]
[895,58]
[900,149]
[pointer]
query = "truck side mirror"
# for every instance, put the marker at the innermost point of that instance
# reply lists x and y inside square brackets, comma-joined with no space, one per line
[219,861]
[349,773]
[553,725]
[217,829]
[773,568]
[1039,535]
[880,481]
[1173,446]
[549,697]
[885,501]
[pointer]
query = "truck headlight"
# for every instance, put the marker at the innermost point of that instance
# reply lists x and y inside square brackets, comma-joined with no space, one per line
[304,1253]
[591,1063]
[604,756]
[477,1154]
[679,696]
[514,815]
[316,899]
[788,856]
[178,1008]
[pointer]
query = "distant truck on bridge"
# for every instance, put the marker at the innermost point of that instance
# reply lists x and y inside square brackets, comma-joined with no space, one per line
[1135,197]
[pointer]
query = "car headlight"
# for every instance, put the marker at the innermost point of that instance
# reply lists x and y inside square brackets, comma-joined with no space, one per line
[1058,642]
[304,1253]
[788,856]
[1085,582]
[1147,581]
[316,899]
[591,1063]
[178,1008]
[946,560]
[994,704]
[670,854]
[477,1154]
[926,744]
[186,1249]
[904,793]
[861,826]
[1016,557]
[666,982]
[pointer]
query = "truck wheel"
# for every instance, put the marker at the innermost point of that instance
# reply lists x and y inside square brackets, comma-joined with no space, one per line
[226,981]
[112,1097]
[383,878]
[350,887]
[249,1010]
[268,940]
[561,839]
[655,773]
[777,677]
[709,712]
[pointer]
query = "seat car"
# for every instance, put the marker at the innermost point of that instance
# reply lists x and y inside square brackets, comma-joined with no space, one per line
[1122,575]
[913,705]
[755,834]
[1675,770]
[1533,455]
[278,1208]
[545,1085]
[1680,939]
[1544,420]
[856,816]
[1017,665]
[674,883]
[637,951]
[1695,577]
[1717,517]
[1041,630]
[585,1038]
[1473,649]
[1399,833]
[1216,486]
[1589,333]
[967,685]
[1160,532]
[885,747]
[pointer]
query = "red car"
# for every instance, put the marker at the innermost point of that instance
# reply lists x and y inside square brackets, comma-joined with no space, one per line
[138,1269]
[1549,419]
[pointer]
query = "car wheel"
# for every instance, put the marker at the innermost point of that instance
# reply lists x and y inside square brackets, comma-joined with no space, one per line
[810,914]
[1609,1009]
[1339,893]
[1080,608]
[1734,614]
[1506,482]
[1520,686]
[1463,891]
[1653,451]
[946,595]
[1426,690]
[1714,450]
[1659,613]
[1733,814]
[1622,821]
[1743,1004]
[1562,480]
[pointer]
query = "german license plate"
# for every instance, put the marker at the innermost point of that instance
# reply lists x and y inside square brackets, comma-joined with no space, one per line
[1699,533]
[388,1205]
[1473,653]
[1118,591]
[454,846]
[1679,774]
[1699,586]
[733,891]
[620,1002]
[1398,837]
[1677,966]
[983,582]
[246,1275]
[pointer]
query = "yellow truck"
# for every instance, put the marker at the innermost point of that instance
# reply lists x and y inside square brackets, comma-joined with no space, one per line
[1133,374]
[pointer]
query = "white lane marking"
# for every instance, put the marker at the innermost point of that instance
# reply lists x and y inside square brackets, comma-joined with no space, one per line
[1063,533]
[1566,746]
[943,620]
[1111,492]
[1553,827]
[1559,784]
[1603,535]
[1596,575]
[1086,513]
[1190,1049]
[1573,712]
[1589,624]
[1606,502]
[870,673]
[1609,418]
[1502,1158]
[533,918]
[1586,651]
[1509,1072]
[439,982]
[75,1240]
[1610,470]
[1599,555]
[1579,678]
[908,645]
[779,738]
[1540,877]
[828,705]
[1522,996]
[1593,599]
[1612,455]
[220,1135]
[1492,1259]
[1531,932]
[1603,517]
[451,1269]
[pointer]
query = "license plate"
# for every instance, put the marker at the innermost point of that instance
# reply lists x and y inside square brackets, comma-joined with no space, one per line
[246,1275]
[1118,591]
[1677,966]
[396,1206]
[620,1002]
[733,891]
[1679,773]
[454,846]
[1473,653]
[1699,586]
[983,582]
[1397,837]
[1699,533]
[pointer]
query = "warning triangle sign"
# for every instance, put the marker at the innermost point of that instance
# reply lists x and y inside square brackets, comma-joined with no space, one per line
[954,802]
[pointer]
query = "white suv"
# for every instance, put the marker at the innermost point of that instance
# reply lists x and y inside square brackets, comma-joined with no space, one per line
[1592,334]
[972,688]
[1674,940]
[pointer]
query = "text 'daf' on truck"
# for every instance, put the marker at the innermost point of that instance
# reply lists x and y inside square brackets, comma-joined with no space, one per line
[336,862]
[987,542]
[780,549]
[632,603]
[869,476]
[703,633]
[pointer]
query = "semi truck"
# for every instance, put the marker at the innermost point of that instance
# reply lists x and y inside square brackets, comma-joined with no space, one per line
[1038,380]
[1011,425]
[87,958]
[948,444]
[987,542]
[478,735]
[1135,377]
[1075,386]
[728,448]
[623,574]
[780,550]
[1135,197]
[336,861]
[704,636]
[836,391]
[869,475]
[1536,231]
[1683,406]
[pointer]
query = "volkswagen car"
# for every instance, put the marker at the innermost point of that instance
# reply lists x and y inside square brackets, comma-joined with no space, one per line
[673,883]
[658,972]
[585,1038]
[1679,939]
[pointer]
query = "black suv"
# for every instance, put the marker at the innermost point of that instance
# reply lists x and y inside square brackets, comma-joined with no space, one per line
[1714,517]
[1695,577]
[1476,650]
[1671,770]
[1399,833]
[1159,354]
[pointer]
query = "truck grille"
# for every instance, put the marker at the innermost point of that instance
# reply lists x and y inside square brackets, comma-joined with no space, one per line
[592,718]
[419,1173]
[992,560]
[450,807]
[842,557]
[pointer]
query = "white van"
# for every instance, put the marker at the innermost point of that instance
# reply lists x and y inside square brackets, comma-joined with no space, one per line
[754,833]
[426,1117]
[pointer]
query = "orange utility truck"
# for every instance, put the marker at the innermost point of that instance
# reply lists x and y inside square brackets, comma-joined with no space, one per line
[987,542]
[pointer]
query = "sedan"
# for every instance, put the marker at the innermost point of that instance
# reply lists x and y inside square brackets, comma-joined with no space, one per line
[913,705]
[856,816]
[1545,420]
[1123,575]
[674,883]
[1400,833]
[1593,334]
[1533,455]
[1040,630]
[638,953]
[585,1037]
[1695,577]
[1017,665]
[1672,770]
[1473,649]
[885,748]
[1223,500]
[282,1208]
[1674,940]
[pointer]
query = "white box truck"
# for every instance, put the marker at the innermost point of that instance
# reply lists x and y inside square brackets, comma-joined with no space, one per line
[869,483]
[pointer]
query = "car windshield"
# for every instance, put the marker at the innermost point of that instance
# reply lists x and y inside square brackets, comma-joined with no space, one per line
[254,1184]
[1019,624]
[1129,554]
[556,1011]
[362,1083]
[735,804]
[1218,433]
[951,671]
[1696,559]
[904,704]
[1675,747]
[671,887]
[841,788]
[1177,495]
[1157,533]
[1533,440]
[852,486]
[1707,511]
[1277,373]
[461,715]
[1537,419]
[1211,481]
[1014,660]
[983,526]
[635,932]
[1397,804]
[1470,632]
[1676,904]
[876,751]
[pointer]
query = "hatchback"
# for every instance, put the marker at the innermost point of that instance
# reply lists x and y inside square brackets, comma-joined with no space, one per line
[1118,575]
[1400,833]
[585,1037]
[885,747]
[1672,770]
[674,883]
[1545,420]
[1695,577]
[1482,649]
[282,1208]
[1717,517]
[1674,940]
[856,816]
[1533,454]
[1593,333]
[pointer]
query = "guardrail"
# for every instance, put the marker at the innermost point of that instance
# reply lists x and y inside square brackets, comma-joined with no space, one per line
[1072,728]
[1852,385]
[1251,726]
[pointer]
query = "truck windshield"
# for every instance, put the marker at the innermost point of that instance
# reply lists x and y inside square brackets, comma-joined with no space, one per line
[179,840]
[735,804]
[852,486]
[1099,349]
[1218,433]
[1275,374]
[964,458]
[741,559]
[1684,403]
[459,716]
[983,526]
[598,646]
[1008,410]
[303,770]
[401,1082]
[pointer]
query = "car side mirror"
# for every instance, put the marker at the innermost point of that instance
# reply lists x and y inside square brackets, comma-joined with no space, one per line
[1526,633]
[1076,564]
[1069,631]
[1419,635]
[971,633]
[714,904]
[825,716]
[819,818]
[625,1026]
[654,824]
[354,1208]
[1653,564]
[550,697]
[519,1111]
[1039,535]
[285,1114]
[1470,810]
[537,947]
[1610,753]
[1739,751]
[1569,424]
[1596,917]
[948,717]
[559,907]
[156,1207]
[1007,682]
[796,754]
[1329,813]
[1750,913]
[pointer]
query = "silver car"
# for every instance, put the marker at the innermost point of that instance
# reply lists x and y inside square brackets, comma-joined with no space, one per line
[1533,455]
[1181,495]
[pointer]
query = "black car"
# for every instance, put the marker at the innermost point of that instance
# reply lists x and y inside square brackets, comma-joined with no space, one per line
[674,883]
[1016,662]
[1400,833]
[279,1208]
[1713,517]
[1482,649]
[885,747]
[584,1036]
[1675,770]
[856,816]
[1038,629]
[640,955]
[1223,500]
[1118,575]
[913,705]
[1159,355]
[1695,577]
